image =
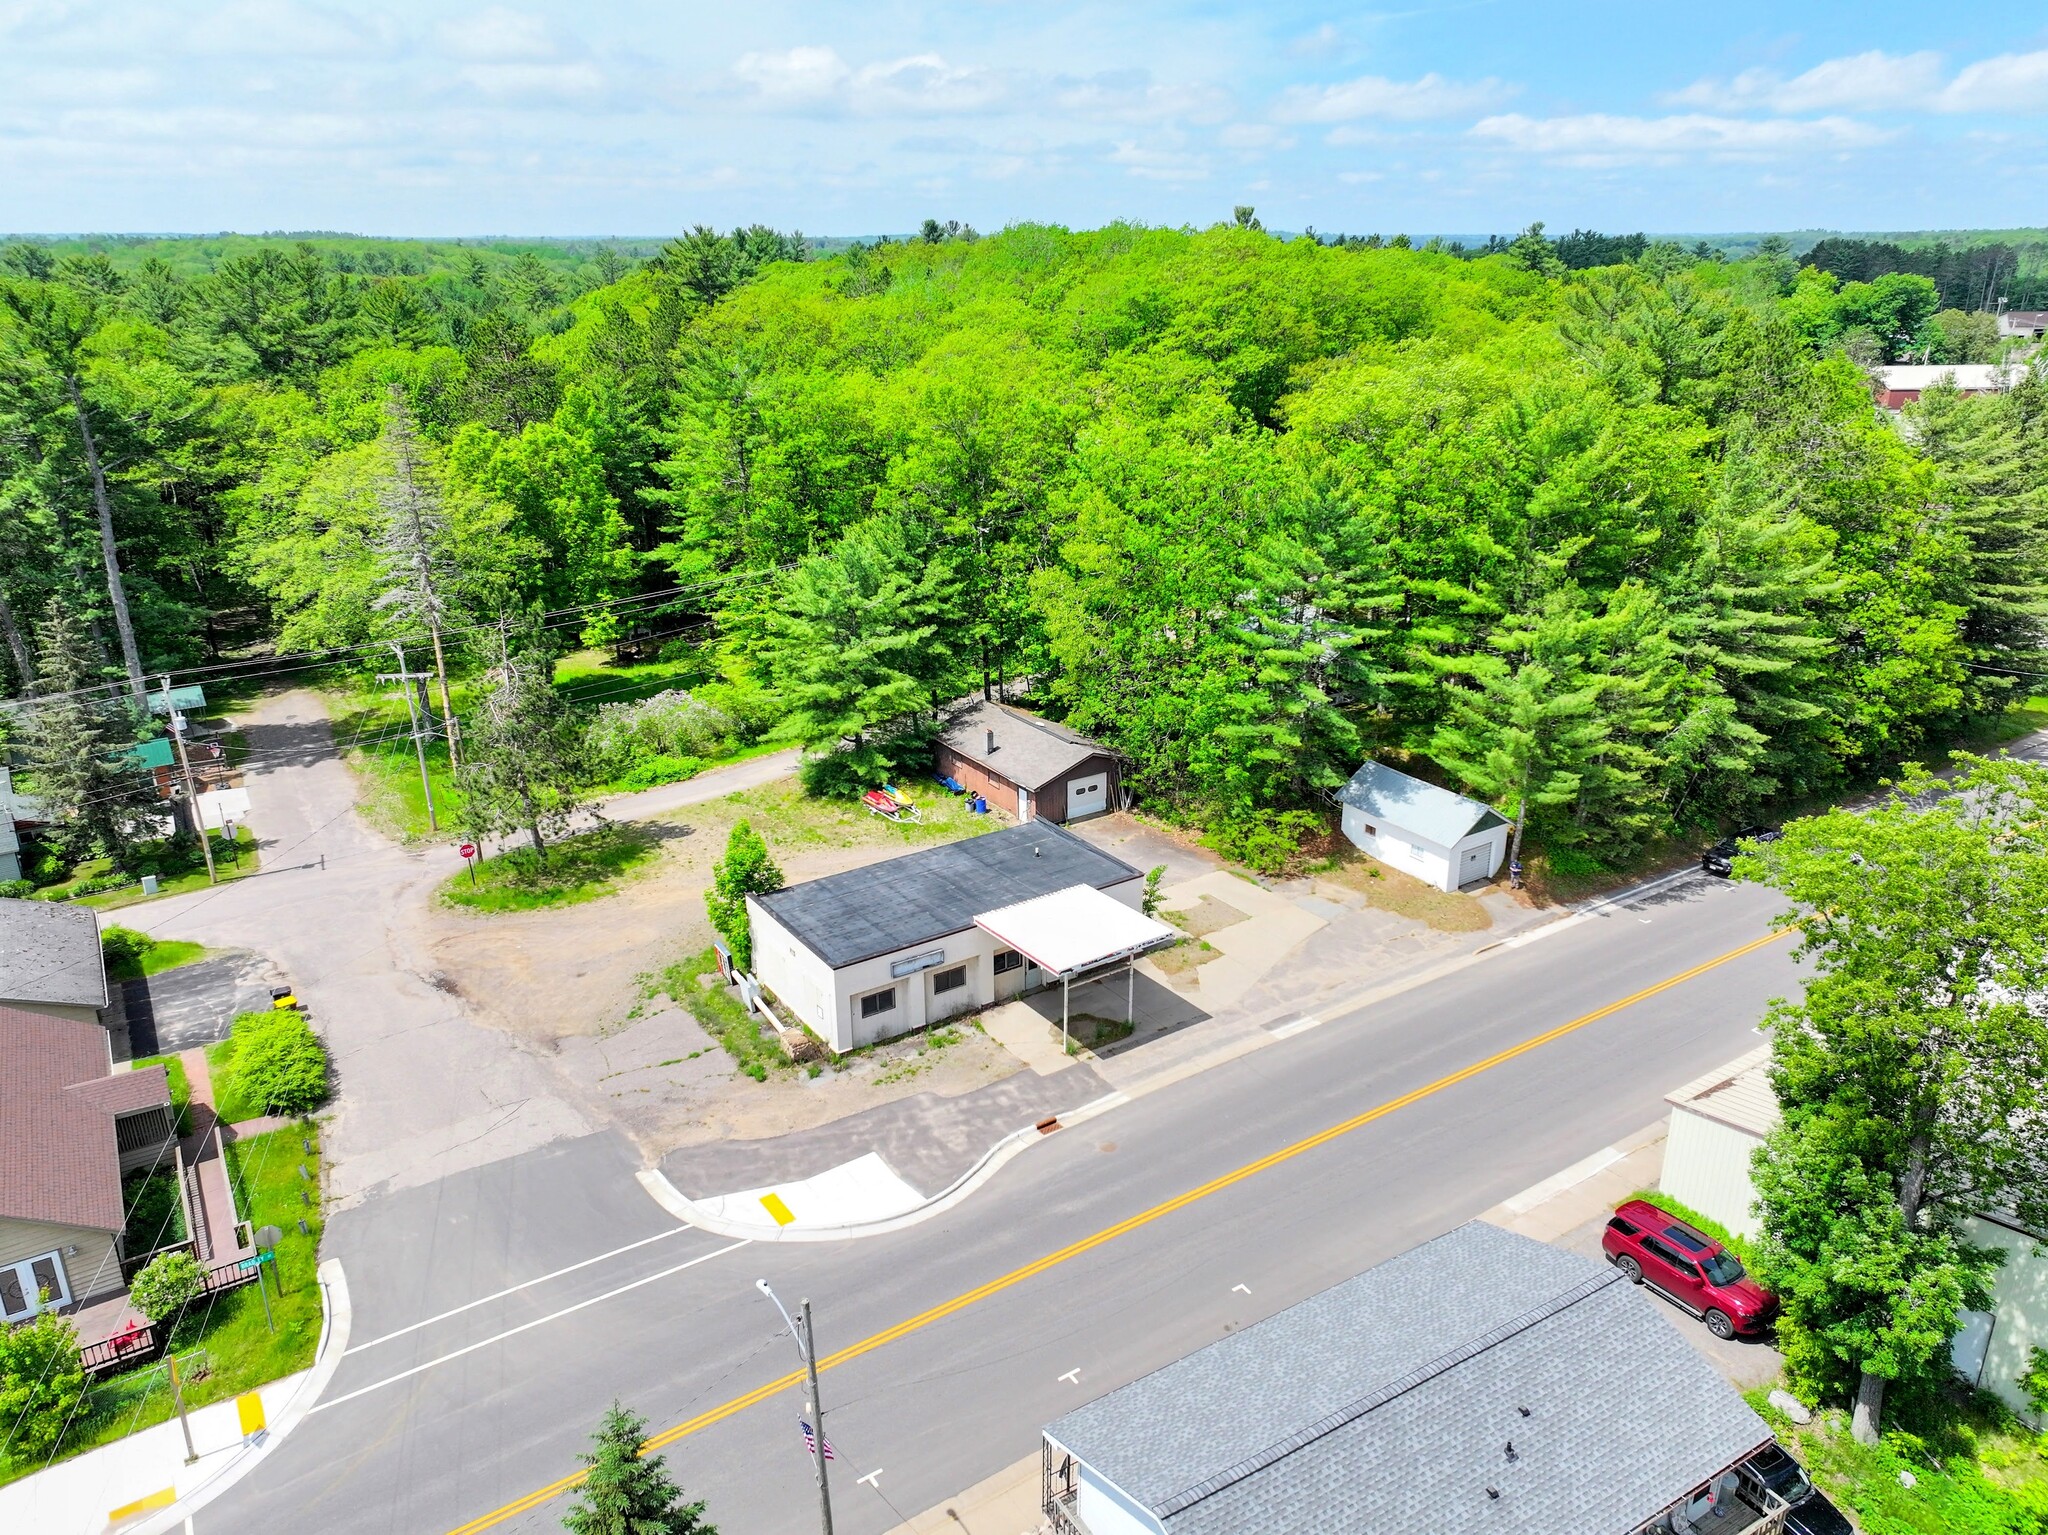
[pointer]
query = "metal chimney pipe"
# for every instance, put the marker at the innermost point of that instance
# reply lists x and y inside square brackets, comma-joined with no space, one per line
[991,743]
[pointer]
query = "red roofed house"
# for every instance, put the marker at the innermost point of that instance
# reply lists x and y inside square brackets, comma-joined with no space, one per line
[1903,383]
[70,1128]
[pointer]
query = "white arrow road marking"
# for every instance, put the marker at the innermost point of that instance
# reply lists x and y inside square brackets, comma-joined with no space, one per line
[1072,1377]
[1244,1287]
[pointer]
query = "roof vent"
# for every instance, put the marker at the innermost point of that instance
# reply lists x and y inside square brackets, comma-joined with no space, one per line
[1493,1492]
[1523,1411]
[991,742]
[1034,850]
[1512,1456]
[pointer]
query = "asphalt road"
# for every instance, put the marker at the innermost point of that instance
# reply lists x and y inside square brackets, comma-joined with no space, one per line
[436,1428]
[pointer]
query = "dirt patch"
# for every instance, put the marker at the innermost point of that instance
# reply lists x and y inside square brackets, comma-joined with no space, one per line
[1406,896]
[582,982]
[1180,962]
[1091,1032]
[1208,915]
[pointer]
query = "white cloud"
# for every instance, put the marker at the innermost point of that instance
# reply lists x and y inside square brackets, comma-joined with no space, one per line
[1596,133]
[1873,81]
[920,84]
[1377,96]
[500,36]
[2012,82]
[1254,136]
[796,77]
[1882,82]
[1133,96]
[580,81]
[1159,164]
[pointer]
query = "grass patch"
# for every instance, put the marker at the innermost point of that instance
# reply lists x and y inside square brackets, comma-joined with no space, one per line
[1208,915]
[239,864]
[1404,895]
[589,678]
[1184,958]
[1976,1470]
[181,1088]
[753,1047]
[786,817]
[1088,1031]
[224,1346]
[132,955]
[577,869]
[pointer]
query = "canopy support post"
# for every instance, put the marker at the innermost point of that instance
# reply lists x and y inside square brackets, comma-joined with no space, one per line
[1131,990]
[1066,1000]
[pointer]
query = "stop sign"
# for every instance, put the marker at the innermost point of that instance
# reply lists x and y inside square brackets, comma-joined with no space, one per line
[467,850]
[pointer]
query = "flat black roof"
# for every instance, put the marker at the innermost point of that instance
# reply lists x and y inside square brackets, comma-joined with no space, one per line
[845,918]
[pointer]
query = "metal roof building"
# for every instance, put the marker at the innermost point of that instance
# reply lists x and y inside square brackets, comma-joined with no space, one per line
[1481,1384]
[1420,829]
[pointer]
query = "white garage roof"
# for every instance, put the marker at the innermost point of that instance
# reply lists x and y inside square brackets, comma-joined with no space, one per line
[1074,929]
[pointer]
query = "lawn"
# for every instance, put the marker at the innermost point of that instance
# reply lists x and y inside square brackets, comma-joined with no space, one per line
[1404,895]
[577,869]
[224,1345]
[242,862]
[132,955]
[181,1089]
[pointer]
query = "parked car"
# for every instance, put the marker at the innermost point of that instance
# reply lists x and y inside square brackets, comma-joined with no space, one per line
[1720,858]
[1655,1248]
[1811,1512]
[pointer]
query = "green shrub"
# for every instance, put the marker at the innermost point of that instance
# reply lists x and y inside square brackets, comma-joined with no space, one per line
[15,889]
[39,1381]
[156,1217]
[2034,1382]
[1268,841]
[277,1065]
[166,1285]
[124,949]
[652,772]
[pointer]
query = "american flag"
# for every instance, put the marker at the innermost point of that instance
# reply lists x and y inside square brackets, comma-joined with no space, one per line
[811,1441]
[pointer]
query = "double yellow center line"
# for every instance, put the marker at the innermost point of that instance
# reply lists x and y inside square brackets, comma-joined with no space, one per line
[1108,1234]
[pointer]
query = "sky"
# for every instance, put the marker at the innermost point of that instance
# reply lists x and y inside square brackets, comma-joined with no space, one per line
[624,117]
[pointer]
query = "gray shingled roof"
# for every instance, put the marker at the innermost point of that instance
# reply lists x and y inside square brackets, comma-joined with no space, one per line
[1029,750]
[1408,804]
[50,953]
[910,900]
[1388,1403]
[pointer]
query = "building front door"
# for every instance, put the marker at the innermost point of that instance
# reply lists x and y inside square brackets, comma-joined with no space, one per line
[24,1287]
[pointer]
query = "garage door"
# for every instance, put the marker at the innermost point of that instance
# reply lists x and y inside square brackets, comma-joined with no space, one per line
[1087,796]
[1475,863]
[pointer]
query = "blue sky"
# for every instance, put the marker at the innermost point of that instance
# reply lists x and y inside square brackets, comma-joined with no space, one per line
[619,116]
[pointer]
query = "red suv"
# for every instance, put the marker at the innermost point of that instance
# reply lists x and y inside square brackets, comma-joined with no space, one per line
[1661,1251]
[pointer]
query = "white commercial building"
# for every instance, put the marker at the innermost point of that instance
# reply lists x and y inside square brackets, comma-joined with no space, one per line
[899,945]
[1435,835]
[1718,1121]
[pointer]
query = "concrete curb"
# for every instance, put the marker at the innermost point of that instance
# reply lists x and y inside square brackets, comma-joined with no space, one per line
[687,1210]
[335,1316]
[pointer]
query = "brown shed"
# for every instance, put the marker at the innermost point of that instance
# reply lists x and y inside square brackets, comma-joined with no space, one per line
[1031,767]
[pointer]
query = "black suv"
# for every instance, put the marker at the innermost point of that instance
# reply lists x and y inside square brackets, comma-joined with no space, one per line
[1811,1513]
[1720,858]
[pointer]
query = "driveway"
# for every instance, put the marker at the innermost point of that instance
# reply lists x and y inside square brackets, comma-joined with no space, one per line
[422,1090]
[195,1004]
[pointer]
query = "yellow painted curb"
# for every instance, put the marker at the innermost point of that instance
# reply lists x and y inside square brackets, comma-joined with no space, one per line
[163,1498]
[773,1204]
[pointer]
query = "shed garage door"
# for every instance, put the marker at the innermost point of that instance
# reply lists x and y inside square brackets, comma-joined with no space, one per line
[1087,796]
[1474,863]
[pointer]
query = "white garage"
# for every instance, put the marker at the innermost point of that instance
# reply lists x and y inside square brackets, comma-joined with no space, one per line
[1444,838]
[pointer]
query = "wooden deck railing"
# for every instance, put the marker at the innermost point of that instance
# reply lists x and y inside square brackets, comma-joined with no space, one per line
[124,1352]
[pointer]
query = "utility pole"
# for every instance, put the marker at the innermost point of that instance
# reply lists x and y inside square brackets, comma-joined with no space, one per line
[405,679]
[177,724]
[813,1407]
[178,1401]
[450,729]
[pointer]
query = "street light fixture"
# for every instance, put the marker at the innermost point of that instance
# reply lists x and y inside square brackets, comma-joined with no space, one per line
[806,1346]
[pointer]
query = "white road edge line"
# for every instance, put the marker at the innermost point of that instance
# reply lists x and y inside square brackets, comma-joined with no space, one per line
[1557,1183]
[513,1332]
[1289,1030]
[514,1290]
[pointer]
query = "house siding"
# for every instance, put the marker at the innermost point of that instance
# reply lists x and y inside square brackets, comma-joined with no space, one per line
[1411,853]
[1706,1165]
[978,776]
[93,1271]
[1105,1510]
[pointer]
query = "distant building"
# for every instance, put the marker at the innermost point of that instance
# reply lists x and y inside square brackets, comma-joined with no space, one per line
[1480,1384]
[1443,838]
[1717,1123]
[895,946]
[2029,324]
[1033,768]
[1903,383]
[50,959]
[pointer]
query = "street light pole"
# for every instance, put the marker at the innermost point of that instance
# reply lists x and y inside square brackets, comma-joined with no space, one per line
[806,1346]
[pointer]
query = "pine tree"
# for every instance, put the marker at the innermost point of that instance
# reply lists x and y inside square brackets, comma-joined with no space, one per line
[625,1492]
[76,737]
[525,765]
[416,547]
[863,640]
[746,869]
[1520,734]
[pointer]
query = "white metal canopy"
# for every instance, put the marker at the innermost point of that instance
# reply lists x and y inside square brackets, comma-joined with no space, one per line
[1075,929]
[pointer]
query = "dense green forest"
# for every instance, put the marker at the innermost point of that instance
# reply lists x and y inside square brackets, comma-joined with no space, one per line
[1626,544]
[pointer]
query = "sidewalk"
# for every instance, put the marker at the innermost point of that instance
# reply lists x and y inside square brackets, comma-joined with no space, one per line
[1003,1504]
[142,1485]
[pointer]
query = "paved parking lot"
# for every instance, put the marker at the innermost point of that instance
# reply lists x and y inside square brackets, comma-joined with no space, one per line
[194,1005]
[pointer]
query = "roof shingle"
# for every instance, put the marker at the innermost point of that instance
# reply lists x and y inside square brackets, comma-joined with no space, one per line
[58,1099]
